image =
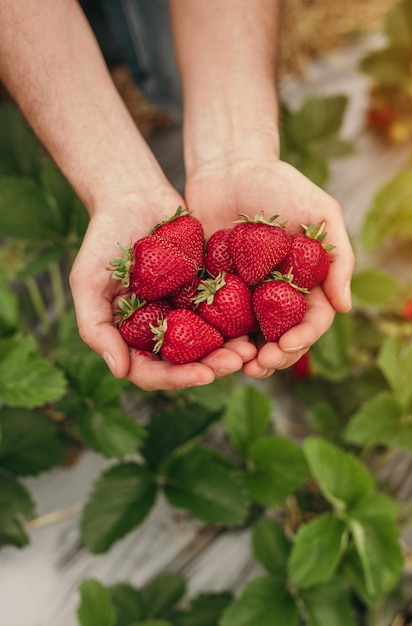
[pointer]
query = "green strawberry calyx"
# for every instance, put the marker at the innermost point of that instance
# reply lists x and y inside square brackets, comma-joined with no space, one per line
[127,306]
[208,288]
[287,278]
[121,266]
[181,211]
[260,219]
[317,232]
[158,334]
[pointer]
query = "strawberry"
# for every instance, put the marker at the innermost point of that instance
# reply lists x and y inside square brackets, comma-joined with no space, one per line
[257,247]
[308,257]
[302,367]
[218,257]
[184,337]
[185,232]
[226,303]
[137,316]
[279,305]
[407,309]
[152,268]
[184,297]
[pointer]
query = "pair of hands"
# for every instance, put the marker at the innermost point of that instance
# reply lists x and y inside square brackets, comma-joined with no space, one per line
[216,195]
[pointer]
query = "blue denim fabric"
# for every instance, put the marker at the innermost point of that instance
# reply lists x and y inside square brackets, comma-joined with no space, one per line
[143,35]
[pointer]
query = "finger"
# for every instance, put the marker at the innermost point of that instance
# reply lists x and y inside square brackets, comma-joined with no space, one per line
[337,283]
[243,347]
[223,361]
[94,314]
[318,319]
[150,373]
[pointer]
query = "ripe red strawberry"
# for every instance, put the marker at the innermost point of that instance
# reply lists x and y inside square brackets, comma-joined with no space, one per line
[278,306]
[185,232]
[184,297]
[407,309]
[218,257]
[257,247]
[302,367]
[226,303]
[184,337]
[152,268]
[308,257]
[137,317]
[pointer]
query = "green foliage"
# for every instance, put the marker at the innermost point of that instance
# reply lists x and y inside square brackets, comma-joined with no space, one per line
[310,135]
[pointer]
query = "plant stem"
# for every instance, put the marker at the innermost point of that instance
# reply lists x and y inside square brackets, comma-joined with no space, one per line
[38,304]
[59,295]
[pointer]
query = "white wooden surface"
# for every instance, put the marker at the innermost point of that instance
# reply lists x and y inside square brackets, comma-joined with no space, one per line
[39,584]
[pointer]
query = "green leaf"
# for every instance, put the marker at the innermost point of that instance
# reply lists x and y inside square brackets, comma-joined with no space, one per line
[398,25]
[377,542]
[16,507]
[381,420]
[59,193]
[314,167]
[121,499]
[278,468]
[171,428]
[27,379]
[213,397]
[323,418]
[109,431]
[164,592]
[329,605]
[263,602]
[247,417]
[317,551]
[375,288]
[390,213]
[204,610]
[152,622]
[395,362]
[19,148]
[204,482]
[31,217]
[319,117]
[341,477]
[271,547]
[95,605]
[30,442]
[9,310]
[331,353]
[388,66]
[127,603]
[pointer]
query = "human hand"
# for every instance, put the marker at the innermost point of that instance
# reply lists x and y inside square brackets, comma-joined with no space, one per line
[96,295]
[218,191]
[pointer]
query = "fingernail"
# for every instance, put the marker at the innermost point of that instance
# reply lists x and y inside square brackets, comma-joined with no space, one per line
[294,349]
[280,364]
[348,295]
[222,372]
[263,373]
[110,362]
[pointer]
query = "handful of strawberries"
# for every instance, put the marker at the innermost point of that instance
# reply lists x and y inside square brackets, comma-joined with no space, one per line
[190,294]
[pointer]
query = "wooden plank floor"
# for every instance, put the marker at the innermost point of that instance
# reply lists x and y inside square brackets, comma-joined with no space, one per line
[38,585]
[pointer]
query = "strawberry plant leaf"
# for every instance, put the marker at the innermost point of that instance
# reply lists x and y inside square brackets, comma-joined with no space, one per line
[95,605]
[381,420]
[271,547]
[127,602]
[318,548]
[205,483]
[152,622]
[395,362]
[27,379]
[16,507]
[390,213]
[277,467]
[204,610]
[31,217]
[319,117]
[331,353]
[59,193]
[341,477]
[213,397]
[9,310]
[30,442]
[375,288]
[109,431]
[189,421]
[19,147]
[388,67]
[398,25]
[164,592]
[264,601]
[323,418]
[121,499]
[328,604]
[247,417]
[377,543]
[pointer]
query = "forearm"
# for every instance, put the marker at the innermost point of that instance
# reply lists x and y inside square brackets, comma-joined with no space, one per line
[52,66]
[227,53]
